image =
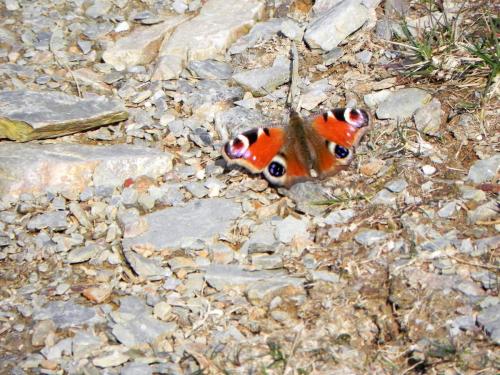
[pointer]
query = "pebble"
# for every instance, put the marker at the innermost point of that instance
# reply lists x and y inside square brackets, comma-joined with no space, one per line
[340,217]
[396,186]
[369,237]
[112,359]
[428,118]
[429,170]
[448,210]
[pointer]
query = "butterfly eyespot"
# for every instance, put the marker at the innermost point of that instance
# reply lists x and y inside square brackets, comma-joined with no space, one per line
[236,148]
[341,152]
[356,117]
[276,171]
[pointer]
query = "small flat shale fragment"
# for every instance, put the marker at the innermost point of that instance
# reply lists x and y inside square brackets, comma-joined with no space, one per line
[27,115]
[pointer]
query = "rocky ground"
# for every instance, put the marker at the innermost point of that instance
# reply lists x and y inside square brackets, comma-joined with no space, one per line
[129,249]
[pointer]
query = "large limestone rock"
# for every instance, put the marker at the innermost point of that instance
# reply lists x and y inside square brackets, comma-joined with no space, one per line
[329,29]
[70,168]
[141,46]
[28,115]
[208,35]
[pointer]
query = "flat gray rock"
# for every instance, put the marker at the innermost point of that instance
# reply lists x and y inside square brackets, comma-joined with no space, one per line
[199,220]
[223,277]
[330,28]
[210,69]
[141,46]
[143,330]
[484,170]
[55,220]
[27,115]
[403,103]
[489,319]
[370,237]
[145,267]
[70,168]
[68,314]
[262,81]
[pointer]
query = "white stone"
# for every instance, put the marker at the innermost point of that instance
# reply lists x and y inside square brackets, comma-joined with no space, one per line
[208,35]
[329,29]
[141,46]
[428,170]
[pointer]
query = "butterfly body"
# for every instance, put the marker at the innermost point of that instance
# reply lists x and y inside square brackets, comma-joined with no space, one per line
[304,150]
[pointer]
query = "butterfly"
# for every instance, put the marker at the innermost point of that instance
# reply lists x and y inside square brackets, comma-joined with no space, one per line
[317,148]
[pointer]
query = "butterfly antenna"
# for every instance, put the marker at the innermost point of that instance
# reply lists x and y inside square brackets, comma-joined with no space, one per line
[293,92]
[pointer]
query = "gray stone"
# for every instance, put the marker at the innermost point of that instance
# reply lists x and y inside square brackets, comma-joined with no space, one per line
[223,277]
[468,288]
[141,46]
[55,220]
[403,103]
[267,262]
[364,57]
[70,168]
[385,198]
[397,186]
[307,195]
[83,254]
[208,35]
[290,228]
[489,319]
[143,330]
[210,69]
[331,57]
[315,94]
[80,214]
[98,9]
[340,217]
[198,220]
[262,81]
[197,188]
[484,170]
[344,19]
[428,118]
[448,210]
[262,240]
[469,193]
[484,212]
[68,314]
[232,122]
[28,115]
[136,368]
[41,331]
[145,267]
[261,32]
[85,344]
[329,277]
[369,237]
[110,359]
[129,196]
[292,30]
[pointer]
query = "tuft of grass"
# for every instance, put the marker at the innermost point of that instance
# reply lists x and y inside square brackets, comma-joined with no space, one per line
[453,49]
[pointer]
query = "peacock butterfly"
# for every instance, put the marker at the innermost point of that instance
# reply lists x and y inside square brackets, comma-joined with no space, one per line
[317,148]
